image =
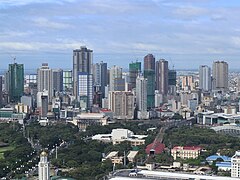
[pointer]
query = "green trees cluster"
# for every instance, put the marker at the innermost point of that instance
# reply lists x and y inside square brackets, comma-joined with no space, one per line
[204,137]
[11,133]
[49,136]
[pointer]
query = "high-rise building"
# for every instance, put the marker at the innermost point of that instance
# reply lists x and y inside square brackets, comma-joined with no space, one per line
[42,103]
[134,71]
[115,73]
[205,78]
[15,82]
[122,104]
[82,62]
[220,76]
[43,167]
[235,165]
[57,80]
[67,81]
[100,76]
[162,76]
[172,81]
[187,82]
[149,74]
[149,62]
[141,93]
[44,80]
[30,78]
[85,90]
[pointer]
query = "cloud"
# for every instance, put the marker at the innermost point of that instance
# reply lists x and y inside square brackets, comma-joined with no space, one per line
[6,3]
[45,23]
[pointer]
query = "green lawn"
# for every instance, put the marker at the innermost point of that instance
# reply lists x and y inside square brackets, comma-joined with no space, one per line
[3,149]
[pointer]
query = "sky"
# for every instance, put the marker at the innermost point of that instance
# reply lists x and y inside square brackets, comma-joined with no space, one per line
[187,33]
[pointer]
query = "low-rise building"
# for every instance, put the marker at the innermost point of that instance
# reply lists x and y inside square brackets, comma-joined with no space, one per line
[84,120]
[121,135]
[113,156]
[132,156]
[186,152]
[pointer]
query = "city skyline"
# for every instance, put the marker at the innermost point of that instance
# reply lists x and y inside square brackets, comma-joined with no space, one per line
[185,33]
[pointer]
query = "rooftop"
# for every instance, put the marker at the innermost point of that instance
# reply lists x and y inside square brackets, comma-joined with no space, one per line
[215,157]
[187,148]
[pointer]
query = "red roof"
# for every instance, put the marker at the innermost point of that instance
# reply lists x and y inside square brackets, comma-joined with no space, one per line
[159,147]
[187,147]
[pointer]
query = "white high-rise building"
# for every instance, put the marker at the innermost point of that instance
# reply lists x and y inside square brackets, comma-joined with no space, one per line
[85,90]
[141,97]
[115,74]
[43,167]
[220,76]
[235,165]
[205,78]
[141,93]
[44,80]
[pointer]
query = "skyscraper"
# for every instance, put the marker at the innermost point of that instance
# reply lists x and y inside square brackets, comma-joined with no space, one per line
[205,78]
[149,62]
[100,76]
[172,81]
[162,76]
[220,76]
[141,93]
[149,74]
[134,71]
[82,62]
[115,73]
[15,82]
[44,80]
[85,90]
[43,167]
[57,75]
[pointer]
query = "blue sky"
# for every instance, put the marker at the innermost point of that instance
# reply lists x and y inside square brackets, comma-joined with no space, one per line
[187,33]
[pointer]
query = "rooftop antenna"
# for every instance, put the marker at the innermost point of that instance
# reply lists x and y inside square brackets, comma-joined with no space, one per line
[14,59]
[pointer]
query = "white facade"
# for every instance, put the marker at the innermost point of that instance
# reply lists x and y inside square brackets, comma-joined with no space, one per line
[120,135]
[141,93]
[44,80]
[235,165]
[205,78]
[43,167]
